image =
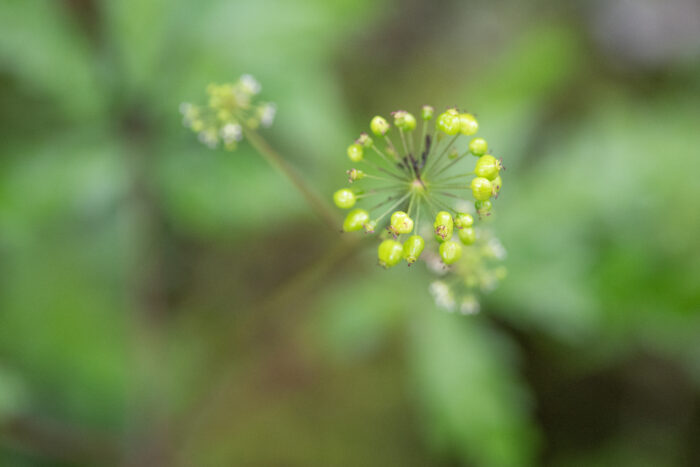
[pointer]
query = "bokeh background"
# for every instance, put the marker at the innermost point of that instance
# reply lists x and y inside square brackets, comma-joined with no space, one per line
[165,304]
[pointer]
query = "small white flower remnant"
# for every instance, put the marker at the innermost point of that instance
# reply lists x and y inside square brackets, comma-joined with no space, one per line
[469,306]
[250,84]
[230,109]
[435,264]
[495,249]
[209,137]
[231,132]
[267,114]
[442,295]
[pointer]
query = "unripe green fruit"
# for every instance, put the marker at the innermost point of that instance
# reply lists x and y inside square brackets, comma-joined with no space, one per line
[355,220]
[487,166]
[355,152]
[478,146]
[401,223]
[379,126]
[404,120]
[481,189]
[496,184]
[450,252]
[483,207]
[427,112]
[448,123]
[468,124]
[463,220]
[444,226]
[412,248]
[467,235]
[389,253]
[344,198]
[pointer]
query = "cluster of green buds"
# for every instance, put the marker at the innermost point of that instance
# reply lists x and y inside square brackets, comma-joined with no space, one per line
[478,271]
[413,175]
[231,109]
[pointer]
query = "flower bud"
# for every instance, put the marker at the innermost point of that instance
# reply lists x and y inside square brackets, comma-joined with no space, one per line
[468,124]
[467,235]
[478,146]
[355,220]
[488,167]
[379,126]
[481,188]
[355,174]
[450,252]
[443,225]
[370,226]
[355,152]
[389,253]
[412,248]
[364,140]
[401,223]
[427,112]
[344,198]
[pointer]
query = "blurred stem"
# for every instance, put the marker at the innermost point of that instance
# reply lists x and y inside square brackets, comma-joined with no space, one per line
[322,208]
[58,441]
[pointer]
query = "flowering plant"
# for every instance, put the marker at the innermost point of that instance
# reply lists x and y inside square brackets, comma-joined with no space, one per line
[415,180]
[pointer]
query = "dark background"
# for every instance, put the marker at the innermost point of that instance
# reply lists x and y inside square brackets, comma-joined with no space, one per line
[165,304]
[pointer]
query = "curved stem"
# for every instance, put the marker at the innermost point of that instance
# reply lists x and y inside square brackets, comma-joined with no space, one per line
[319,205]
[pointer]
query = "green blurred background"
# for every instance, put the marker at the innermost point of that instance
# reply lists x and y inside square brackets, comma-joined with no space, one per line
[165,304]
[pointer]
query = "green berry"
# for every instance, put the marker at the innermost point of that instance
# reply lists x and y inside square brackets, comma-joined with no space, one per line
[444,226]
[467,235]
[450,252]
[448,123]
[355,220]
[389,253]
[412,248]
[497,183]
[379,126]
[468,124]
[483,207]
[355,152]
[344,198]
[401,223]
[463,220]
[427,112]
[481,188]
[404,120]
[488,167]
[478,146]
[364,140]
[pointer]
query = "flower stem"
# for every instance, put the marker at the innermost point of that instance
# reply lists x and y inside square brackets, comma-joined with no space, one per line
[318,204]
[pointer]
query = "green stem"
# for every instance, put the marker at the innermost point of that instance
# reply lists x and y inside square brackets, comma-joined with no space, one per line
[454,177]
[319,205]
[444,151]
[450,165]
[392,207]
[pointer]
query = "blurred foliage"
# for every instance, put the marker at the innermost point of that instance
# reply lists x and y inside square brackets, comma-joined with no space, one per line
[163,304]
